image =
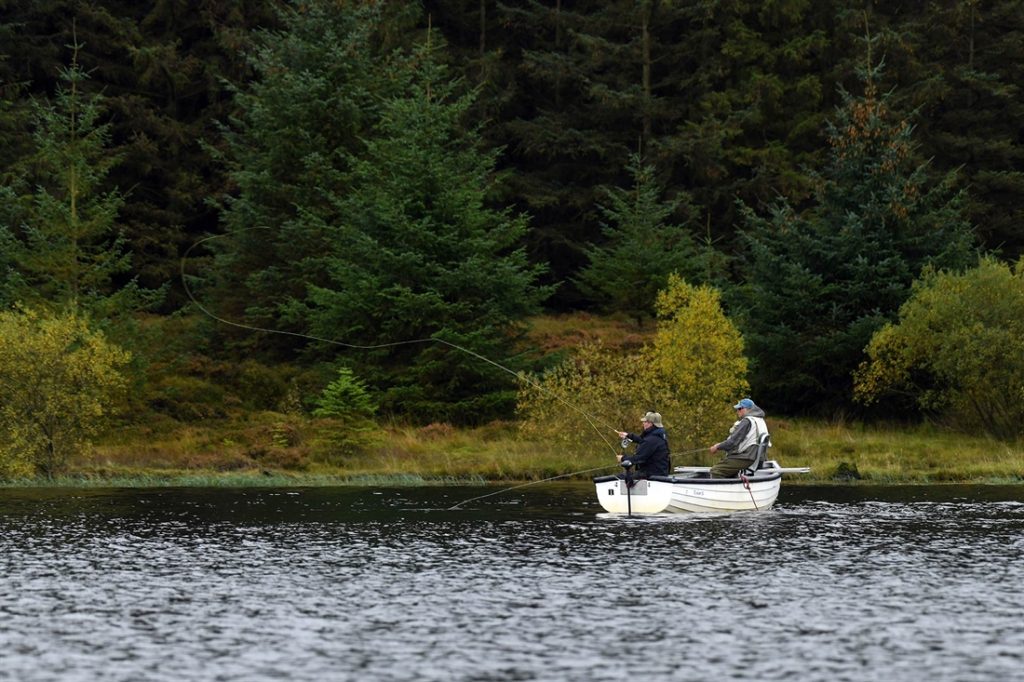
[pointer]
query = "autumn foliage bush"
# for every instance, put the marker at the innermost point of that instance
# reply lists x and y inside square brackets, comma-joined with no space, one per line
[692,373]
[60,380]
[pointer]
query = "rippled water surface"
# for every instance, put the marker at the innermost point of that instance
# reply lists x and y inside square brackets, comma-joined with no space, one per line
[533,584]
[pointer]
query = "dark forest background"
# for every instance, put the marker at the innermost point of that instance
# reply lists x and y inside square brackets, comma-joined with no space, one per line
[445,169]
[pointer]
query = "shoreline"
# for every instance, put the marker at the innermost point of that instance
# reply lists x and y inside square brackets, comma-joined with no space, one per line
[262,480]
[271,449]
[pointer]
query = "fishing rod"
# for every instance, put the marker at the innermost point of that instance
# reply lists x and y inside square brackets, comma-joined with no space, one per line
[552,478]
[523,485]
[594,422]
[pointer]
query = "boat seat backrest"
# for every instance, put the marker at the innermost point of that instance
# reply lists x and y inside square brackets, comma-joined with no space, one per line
[763,443]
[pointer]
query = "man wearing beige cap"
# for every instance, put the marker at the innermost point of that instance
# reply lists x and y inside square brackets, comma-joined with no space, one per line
[652,456]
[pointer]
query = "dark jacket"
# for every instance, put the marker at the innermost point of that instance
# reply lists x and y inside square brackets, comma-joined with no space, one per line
[652,455]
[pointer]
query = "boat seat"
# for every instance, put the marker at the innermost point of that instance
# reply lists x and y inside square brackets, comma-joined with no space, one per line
[763,443]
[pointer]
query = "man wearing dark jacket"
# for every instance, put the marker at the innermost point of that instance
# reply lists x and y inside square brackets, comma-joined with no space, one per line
[652,455]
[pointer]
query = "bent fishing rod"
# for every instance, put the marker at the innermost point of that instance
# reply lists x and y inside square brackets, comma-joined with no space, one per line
[593,421]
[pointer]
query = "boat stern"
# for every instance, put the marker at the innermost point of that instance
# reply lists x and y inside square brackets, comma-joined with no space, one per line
[643,497]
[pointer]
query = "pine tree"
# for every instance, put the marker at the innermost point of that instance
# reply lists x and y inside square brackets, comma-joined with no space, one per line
[642,246]
[417,254]
[821,282]
[63,228]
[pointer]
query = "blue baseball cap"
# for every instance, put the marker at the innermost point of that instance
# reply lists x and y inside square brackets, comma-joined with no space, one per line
[746,403]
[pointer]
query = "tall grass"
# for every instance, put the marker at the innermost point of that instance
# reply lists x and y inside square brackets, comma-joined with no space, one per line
[250,452]
[896,454]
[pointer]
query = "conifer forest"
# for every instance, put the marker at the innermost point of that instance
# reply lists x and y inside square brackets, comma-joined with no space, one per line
[363,176]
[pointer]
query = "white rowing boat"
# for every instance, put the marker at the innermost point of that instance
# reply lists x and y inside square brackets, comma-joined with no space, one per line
[691,490]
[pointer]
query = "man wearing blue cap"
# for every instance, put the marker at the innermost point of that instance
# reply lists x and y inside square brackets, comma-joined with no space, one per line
[740,447]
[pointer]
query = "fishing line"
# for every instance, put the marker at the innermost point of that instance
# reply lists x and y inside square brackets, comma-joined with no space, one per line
[521,377]
[545,480]
[523,485]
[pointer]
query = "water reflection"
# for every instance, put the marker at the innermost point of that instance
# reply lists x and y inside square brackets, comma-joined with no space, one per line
[834,584]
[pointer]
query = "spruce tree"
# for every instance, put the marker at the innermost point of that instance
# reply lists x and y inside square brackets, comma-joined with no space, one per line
[820,282]
[416,254]
[595,81]
[63,232]
[755,85]
[642,247]
[161,68]
[290,149]
[967,85]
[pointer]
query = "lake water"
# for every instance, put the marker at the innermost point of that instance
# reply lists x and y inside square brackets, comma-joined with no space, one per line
[534,584]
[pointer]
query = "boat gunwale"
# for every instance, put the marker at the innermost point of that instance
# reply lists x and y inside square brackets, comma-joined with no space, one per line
[674,480]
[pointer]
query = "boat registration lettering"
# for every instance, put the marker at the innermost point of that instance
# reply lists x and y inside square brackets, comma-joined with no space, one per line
[639,488]
[696,492]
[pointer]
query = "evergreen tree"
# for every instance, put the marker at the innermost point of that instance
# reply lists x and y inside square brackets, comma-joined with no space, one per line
[821,282]
[756,89]
[161,67]
[963,74]
[641,248]
[346,396]
[955,66]
[595,80]
[13,120]
[416,254]
[63,230]
[290,151]
[725,98]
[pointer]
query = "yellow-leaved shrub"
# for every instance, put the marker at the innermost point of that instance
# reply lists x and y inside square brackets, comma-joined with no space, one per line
[585,399]
[702,367]
[692,374]
[59,379]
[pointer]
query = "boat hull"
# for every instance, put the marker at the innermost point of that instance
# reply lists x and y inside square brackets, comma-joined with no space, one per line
[688,495]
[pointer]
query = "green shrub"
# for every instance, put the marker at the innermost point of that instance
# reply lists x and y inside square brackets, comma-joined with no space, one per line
[958,349]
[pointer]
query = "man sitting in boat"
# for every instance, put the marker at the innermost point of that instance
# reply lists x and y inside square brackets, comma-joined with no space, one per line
[652,455]
[740,447]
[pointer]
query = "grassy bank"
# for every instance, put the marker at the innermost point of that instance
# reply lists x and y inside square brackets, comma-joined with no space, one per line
[213,434]
[273,449]
[855,452]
